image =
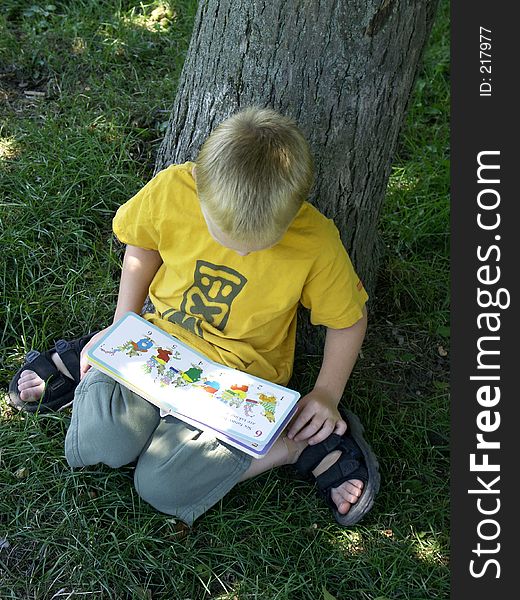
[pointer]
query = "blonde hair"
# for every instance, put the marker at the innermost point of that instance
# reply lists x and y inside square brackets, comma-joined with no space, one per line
[253,173]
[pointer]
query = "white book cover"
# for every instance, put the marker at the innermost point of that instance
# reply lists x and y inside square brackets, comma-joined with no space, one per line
[245,411]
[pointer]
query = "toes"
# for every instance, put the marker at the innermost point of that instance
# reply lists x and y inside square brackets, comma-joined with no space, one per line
[30,386]
[354,487]
[25,375]
[347,494]
[342,504]
[25,384]
[32,394]
[29,378]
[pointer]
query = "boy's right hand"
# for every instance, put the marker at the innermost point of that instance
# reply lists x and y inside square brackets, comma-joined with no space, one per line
[84,366]
[316,418]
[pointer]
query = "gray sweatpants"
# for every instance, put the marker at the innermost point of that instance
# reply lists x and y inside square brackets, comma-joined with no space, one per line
[180,470]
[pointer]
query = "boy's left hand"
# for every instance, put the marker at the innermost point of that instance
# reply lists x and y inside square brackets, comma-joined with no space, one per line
[316,419]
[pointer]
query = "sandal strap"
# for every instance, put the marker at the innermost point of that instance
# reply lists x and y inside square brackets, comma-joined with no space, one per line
[70,353]
[41,364]
[57,390]
[70,357]
[311,457]
[350,465]
[356,461]
[341,472]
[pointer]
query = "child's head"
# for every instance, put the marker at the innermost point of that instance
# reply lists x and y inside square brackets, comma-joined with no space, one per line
[253,173]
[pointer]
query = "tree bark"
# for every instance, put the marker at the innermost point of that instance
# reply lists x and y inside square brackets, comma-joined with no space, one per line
[343,69]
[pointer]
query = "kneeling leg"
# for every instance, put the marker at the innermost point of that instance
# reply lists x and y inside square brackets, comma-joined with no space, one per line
[110,424]
[184,472]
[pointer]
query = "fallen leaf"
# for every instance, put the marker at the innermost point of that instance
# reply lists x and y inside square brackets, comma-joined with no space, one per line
[34,94]
[21,473]
[4,544]
[327,595]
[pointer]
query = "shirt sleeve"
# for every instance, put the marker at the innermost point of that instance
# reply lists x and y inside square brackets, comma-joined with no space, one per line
[333,292]
[136,221]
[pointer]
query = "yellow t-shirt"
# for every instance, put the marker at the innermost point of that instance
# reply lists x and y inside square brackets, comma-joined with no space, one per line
[238,310]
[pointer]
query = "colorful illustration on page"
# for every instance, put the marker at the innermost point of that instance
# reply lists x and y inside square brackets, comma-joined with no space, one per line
[241,396]
[161,362]
[158,357]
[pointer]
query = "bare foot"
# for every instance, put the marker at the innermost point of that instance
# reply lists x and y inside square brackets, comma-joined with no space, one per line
[287,452]
[31,386]
[343,496]
[346,494]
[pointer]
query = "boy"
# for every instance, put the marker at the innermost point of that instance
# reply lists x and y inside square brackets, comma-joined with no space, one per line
[226,248]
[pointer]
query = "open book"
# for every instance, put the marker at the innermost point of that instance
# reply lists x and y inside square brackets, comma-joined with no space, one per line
[242,410]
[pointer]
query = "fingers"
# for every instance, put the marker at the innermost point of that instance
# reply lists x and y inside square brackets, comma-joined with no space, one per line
[84,366]
[316,419]
[326,429]
[303,420]
[84,369]
[341,427]
[316,429]
[298,423]
[330,426]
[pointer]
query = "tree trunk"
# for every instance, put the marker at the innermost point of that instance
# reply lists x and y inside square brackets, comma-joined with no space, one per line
[343,69]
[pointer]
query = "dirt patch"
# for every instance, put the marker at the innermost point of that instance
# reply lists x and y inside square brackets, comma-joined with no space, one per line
[19,94]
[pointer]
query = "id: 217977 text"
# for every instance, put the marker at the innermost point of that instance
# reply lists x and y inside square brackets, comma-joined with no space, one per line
[485,62]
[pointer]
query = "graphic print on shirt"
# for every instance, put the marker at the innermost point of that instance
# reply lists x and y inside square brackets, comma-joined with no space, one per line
[209,298]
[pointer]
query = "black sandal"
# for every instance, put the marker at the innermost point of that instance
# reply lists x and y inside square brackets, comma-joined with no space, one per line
[59,389]
[357,461]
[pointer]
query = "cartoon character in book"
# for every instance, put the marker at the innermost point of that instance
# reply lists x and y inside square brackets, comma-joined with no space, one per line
[269,405]
[249,407]
[131,348]
[235,395]
[184,378]
[212,387]
[193,374]
[158,362]
[163,356]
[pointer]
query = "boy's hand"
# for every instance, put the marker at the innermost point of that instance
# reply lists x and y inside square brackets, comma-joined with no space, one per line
[84,366]
[316,419]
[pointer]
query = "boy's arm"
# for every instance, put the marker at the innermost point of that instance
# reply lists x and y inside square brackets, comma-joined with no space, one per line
[318,414]
[139,268]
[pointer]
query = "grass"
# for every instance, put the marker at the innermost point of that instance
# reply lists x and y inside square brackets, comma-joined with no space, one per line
[85,92]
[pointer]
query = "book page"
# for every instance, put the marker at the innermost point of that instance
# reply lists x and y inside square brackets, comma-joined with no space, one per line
[180,380]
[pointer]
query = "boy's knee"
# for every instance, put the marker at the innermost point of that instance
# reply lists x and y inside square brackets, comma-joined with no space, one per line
[109,425]
[166,481]
[187,480]
[166,494]
[94,381]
